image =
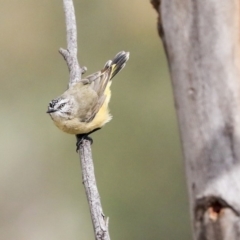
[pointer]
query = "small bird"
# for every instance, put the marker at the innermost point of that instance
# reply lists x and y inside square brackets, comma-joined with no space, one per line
[83,108]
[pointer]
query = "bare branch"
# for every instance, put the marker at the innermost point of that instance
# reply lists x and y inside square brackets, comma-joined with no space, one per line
[100,224]
[70,55]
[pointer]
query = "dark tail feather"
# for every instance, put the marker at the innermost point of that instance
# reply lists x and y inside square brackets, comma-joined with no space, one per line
[119,62]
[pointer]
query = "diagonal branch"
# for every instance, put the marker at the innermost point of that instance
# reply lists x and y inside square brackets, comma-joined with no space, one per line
[100,224]
[98,219]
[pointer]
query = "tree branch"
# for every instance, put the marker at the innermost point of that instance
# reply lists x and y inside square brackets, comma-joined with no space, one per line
[89,181]
[70,55]
[100,224]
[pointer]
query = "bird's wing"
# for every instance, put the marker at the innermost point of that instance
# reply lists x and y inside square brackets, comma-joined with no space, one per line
[98,83]
[99,80]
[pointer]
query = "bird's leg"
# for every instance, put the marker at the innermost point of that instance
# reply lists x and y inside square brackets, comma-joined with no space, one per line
[96,129]
[81,137]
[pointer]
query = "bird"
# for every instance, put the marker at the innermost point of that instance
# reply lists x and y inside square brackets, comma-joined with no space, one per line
[83,108]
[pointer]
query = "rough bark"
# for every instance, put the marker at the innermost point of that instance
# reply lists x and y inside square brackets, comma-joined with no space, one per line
[201,40]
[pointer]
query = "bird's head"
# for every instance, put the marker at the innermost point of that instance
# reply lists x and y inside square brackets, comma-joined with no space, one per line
[60,108]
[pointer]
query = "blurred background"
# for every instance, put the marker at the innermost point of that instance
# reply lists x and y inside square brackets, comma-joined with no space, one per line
[138,160]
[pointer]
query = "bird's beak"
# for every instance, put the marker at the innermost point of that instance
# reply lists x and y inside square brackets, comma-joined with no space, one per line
[51,110]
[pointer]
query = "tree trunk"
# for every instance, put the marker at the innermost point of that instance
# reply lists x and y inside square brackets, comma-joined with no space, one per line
[201,40]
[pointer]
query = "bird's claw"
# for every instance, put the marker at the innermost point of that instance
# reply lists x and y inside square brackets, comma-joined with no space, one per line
[81,138]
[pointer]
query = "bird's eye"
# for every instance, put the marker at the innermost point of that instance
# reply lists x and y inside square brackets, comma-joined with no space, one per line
[50,105]
[62,105]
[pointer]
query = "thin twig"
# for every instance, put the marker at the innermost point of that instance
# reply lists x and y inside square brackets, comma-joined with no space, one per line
[100,224]
[99,221]
[70,55]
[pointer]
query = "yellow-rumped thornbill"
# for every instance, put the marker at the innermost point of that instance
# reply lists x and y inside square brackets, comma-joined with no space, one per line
[83,108]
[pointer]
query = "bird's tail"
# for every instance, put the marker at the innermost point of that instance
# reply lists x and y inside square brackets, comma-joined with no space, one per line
[117,64]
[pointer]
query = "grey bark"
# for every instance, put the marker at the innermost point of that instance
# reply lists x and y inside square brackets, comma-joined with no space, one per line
[201,41]
[100,223]
[70,54]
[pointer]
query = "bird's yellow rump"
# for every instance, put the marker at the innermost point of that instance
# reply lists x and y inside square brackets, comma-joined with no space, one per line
[83,108]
